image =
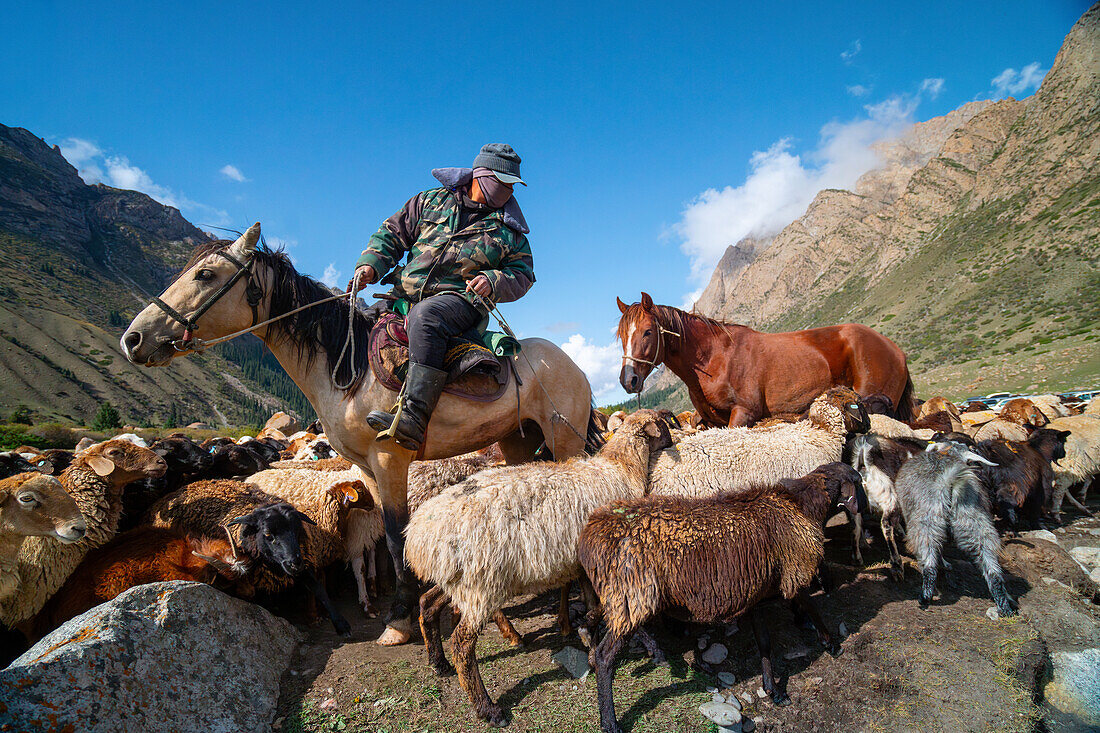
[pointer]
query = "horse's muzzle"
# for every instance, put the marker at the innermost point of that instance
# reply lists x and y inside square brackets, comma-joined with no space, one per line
[630,380]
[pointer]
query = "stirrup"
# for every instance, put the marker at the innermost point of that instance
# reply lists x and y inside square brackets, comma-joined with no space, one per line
[391,431]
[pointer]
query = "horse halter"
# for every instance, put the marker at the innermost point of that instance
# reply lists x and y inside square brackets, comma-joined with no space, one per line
[661,331]
[253,293]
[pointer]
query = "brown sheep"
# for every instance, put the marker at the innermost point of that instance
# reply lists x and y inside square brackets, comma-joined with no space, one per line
[142,555]
[1023,411]
[712,559]
[33,505]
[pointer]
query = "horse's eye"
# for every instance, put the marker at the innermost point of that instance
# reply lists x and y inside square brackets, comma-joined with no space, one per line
[647,332]
[204,274]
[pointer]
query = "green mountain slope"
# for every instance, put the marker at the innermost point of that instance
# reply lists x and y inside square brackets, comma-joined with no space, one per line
[77,263]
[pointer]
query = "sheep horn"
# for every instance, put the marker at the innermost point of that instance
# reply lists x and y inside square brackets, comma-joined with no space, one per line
[216,563]
[232,542]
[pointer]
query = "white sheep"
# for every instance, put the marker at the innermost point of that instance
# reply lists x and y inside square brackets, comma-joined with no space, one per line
[888,427]
[1082,462]
[94,480]
[728,459]
[513,530]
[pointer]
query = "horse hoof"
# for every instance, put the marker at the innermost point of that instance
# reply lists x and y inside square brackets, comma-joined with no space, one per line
[393,637]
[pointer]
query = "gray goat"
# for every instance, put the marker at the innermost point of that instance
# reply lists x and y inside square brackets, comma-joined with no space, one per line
[939,492]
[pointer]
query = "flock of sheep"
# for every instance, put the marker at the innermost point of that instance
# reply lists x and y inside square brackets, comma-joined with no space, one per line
[702,525]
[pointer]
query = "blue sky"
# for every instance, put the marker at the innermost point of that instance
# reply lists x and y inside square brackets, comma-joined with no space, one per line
[652,135]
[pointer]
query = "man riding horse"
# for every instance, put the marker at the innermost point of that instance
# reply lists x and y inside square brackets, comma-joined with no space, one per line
[466,242]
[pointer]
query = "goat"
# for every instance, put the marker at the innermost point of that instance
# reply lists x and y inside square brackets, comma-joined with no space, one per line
[1021,484]
[711,559]
[12,463]
[33,505]
[940,493]
[878,461]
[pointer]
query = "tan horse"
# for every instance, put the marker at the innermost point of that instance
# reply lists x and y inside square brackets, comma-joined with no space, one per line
[226,288]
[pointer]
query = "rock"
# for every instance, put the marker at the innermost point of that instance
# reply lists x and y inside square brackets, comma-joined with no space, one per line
[732,700]
[1074,687]
[574,661]
[282,422]
[992,613]
[329,704]
[747,698]
[748,726]
[702,643]
[164,656]
[715,697]
[720,713]
[727,678]
[199,426]
[1095,575]
[715,654]
[731,629]
[1040,534]
[1088,557]
[760,693]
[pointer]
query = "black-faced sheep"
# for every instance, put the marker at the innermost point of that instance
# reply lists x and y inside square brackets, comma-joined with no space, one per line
[95,480]
[33,505]
[709,559]
[513,530]
[940,494]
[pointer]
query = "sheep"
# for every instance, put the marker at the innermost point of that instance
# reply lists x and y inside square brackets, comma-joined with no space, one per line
[232,460]
[711,559]
[273,533]
[1000,429]
[878,404]
[939,492]
[615,419]
[54,460]
[1082,461]
[937,404]
[887,427]
[139,556]
[12,463]
[33,505]
[132,438]
[95,480]
[513,530]
[1023,411]
[187,461]
[727,459]
[878,460]
[1050,406]
[324,464]
[314,451]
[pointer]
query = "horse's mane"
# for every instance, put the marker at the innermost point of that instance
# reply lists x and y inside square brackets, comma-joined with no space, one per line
[677,321]
[322,328]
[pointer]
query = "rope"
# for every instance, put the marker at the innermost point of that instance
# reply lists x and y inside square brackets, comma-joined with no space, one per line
[201,344]
[556,414]
[350,340]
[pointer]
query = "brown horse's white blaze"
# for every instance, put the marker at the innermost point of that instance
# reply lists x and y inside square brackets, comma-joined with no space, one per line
[736,376]
[307,345]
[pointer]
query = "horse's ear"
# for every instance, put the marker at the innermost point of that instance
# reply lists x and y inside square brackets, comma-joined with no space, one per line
[246,244]
[647,302]
[623,307]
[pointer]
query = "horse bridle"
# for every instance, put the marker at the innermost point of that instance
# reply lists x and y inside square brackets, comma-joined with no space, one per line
[661,331]
[253,293]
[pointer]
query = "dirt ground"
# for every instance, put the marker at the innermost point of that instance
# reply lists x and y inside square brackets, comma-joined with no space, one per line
[902,668]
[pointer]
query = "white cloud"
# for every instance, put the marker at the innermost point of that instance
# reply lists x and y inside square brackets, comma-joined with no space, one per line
[232,173]
[781,183]
[601,364]
[331,276]
[94,165]
[1012,83]
[858,90]
[931,87]
[853,49]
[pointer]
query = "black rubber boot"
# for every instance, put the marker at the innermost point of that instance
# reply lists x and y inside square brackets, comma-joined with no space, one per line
[423,386]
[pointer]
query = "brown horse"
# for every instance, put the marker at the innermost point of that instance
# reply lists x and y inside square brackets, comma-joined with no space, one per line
[736,376]
[227,286]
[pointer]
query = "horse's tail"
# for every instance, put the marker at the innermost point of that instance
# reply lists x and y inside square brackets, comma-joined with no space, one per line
[594,439]
[906,403]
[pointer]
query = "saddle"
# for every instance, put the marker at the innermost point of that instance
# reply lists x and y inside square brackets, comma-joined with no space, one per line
[473,371]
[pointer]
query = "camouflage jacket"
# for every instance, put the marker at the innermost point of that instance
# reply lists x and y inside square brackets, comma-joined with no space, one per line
[442,259]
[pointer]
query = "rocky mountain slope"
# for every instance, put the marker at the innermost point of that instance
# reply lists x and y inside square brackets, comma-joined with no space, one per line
[976,242]
[77,262]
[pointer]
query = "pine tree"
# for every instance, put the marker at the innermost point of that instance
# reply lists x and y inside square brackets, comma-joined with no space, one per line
[107,418]
[21,415]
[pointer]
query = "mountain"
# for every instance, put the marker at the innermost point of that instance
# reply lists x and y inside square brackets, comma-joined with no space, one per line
[77,263]
[974,245]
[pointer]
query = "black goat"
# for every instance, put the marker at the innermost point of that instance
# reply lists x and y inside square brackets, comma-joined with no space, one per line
[12,463]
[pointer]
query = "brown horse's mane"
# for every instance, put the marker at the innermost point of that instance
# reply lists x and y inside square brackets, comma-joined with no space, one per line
[677,321]
[323,328]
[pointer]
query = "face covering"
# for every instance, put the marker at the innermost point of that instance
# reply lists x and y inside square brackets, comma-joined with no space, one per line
[495,192]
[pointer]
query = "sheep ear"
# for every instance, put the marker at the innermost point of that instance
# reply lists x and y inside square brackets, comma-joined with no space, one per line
[216,563]
[652,429]
[623,307]
[304,517]
[102,466]
[346,491]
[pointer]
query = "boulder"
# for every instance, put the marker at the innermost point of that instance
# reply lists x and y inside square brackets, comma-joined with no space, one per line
[1075,684]
[160,657]
[199,426]
[282,422]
